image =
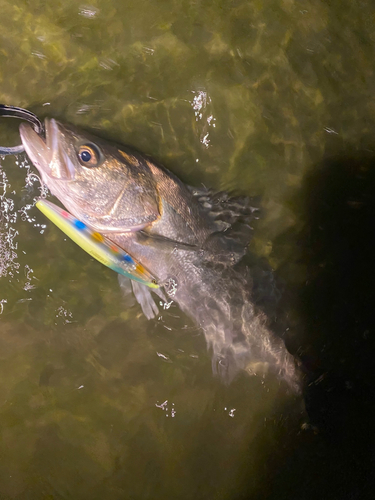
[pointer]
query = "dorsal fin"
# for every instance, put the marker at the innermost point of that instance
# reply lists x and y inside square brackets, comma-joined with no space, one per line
[231,217]
[223,207]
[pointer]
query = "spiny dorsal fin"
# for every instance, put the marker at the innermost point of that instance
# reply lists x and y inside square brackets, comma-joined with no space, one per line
[231,217]
[221,206]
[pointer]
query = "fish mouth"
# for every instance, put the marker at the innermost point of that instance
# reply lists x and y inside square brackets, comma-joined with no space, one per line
[46,154]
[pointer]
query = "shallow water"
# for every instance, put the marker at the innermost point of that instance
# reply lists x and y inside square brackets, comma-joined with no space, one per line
[262,98]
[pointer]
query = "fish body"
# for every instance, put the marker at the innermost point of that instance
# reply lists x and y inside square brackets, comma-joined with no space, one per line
[191,239]
[96,245]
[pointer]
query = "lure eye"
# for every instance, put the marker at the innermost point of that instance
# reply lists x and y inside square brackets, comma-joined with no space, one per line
[88,155]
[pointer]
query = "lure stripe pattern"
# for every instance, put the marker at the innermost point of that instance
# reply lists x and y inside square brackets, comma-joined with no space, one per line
[97,245]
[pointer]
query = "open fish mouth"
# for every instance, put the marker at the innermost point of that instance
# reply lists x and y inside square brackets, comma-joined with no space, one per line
[46,154]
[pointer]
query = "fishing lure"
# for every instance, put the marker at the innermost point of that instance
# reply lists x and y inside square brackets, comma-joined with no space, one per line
[97,245]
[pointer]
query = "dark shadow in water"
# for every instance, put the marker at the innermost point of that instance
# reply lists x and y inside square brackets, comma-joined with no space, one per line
[336,306]
[335,329]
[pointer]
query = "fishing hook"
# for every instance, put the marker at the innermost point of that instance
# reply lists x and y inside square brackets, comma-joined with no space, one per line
[22,114]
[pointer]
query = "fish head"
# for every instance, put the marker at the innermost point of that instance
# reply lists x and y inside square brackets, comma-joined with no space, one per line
[108,187]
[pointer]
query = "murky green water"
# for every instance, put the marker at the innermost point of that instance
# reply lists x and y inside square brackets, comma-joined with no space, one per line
[95,401]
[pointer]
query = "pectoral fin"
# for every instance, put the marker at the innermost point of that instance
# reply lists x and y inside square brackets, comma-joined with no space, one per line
[127,290]
[145,299]
[162,243]
[142,294]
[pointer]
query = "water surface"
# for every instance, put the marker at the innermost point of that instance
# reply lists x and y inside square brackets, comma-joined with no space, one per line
[96,402]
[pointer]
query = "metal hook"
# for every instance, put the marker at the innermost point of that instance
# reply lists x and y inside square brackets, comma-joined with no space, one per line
[22,114]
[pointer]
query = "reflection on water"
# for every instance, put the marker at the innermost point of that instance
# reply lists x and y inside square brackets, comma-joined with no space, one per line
[97,402]
[7,245]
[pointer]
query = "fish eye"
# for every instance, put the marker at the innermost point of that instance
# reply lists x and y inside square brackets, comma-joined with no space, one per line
[89,155]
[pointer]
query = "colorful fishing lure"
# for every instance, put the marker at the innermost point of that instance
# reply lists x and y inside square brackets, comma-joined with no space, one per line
[95,244]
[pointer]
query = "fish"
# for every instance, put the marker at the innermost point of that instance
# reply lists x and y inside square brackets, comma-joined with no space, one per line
[96,245]
[192,239]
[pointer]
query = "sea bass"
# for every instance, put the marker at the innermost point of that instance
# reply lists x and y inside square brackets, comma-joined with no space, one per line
[191,240]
